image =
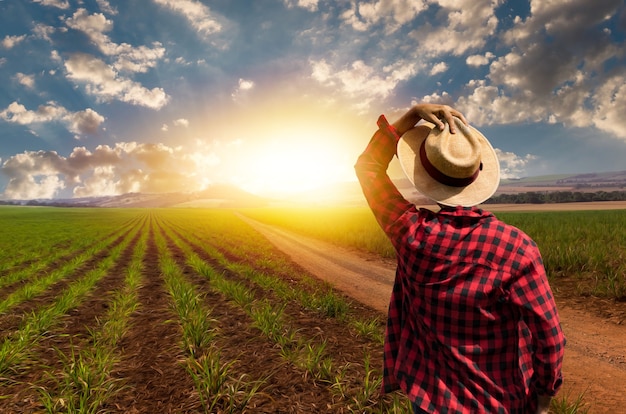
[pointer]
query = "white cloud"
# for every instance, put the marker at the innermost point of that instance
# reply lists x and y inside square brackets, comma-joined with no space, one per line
[479,60]
[240,94]
[512,165]
[610,106]
[107,170]
[103,81]
[560,81]
[25,80]
[10,41]
[198,15]
[360,81]
[127,58]
[310,5]
[43,31]
[464,26]
[181,122]
[82,122]
[393,14]
[439,68]
[105,6]
[60,4]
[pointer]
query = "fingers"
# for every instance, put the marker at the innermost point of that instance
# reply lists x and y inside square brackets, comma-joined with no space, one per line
[437,113]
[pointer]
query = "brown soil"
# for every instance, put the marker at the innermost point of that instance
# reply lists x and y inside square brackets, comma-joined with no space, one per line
[595,361]
[151,364]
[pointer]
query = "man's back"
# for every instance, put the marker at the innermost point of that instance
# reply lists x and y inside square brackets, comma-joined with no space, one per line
[463,278]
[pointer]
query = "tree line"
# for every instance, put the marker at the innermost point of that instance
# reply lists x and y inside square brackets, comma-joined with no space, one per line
[534,197]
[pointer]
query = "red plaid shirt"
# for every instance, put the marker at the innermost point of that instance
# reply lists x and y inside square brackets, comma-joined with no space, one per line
[472,325]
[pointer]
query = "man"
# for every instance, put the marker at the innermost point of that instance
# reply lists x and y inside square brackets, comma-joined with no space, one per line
[472,324]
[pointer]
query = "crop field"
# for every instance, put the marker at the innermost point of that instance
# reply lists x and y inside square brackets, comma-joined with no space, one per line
[584,252]
[191,310]
[161,311]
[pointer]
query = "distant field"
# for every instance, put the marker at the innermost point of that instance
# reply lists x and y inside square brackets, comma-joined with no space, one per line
[592,206]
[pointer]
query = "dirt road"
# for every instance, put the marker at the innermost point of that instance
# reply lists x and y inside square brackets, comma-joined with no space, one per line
[595,361]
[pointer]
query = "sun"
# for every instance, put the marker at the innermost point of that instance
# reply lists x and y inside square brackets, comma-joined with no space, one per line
[295,157]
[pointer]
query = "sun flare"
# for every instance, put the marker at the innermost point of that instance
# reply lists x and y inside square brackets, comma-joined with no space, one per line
[292,159]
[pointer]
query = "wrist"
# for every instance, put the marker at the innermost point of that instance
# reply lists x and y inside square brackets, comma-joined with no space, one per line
[407,121]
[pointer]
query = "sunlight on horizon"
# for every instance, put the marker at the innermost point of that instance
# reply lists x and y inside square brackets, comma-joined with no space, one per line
[289,148]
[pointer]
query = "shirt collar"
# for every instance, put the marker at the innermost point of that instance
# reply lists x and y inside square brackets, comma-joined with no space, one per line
[463,211]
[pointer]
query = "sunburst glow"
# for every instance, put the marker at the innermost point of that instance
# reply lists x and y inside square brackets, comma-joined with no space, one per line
[295,159]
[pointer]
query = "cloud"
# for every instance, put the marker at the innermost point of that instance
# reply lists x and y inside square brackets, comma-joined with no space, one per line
[10,41]
[105,6]
[610,106]
[392,14]
[127,58]
[563,80]
[479,60]
[244,86]
[104,82]
[81,122]
[512,165]
[60,4]
[361,82]
[462,26]
[181,122]
[107,170]
[26,80]
[439,68]
[41,181]
[85,122]
[310,5]
[43,31]
[196,13]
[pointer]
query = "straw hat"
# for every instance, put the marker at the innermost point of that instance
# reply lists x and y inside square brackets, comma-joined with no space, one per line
[451,169]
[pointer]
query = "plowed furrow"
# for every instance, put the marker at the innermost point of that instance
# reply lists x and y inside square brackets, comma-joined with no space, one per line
[150,359]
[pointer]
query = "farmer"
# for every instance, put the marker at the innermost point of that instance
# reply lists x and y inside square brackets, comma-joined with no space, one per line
[472,324]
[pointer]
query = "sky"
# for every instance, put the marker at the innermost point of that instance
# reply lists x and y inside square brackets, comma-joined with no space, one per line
[102,97]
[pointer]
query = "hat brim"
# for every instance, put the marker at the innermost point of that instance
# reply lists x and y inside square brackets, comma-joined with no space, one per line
[473,194]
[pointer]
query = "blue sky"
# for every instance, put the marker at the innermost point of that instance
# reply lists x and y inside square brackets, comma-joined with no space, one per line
[107,97]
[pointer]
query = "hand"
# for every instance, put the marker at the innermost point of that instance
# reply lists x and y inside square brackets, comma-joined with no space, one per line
[429,112]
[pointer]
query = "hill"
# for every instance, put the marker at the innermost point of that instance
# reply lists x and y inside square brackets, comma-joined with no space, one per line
[218,195]
[606,181]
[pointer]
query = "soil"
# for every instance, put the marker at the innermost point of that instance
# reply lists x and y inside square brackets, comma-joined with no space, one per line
[595,360]
[150,365]
[151,368]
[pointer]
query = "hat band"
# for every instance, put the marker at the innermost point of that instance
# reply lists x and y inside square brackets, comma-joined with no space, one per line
[442,178]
